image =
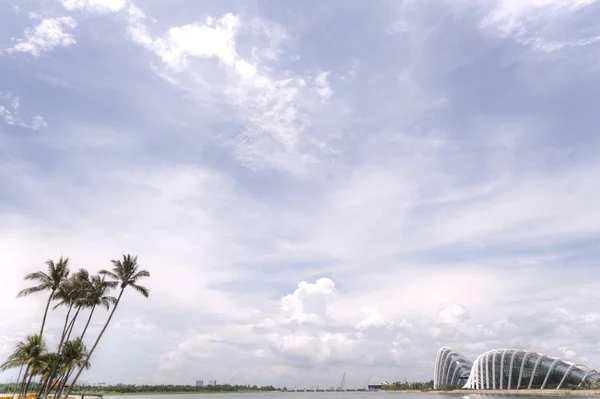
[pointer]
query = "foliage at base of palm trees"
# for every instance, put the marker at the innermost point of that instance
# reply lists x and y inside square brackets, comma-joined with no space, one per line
[75,355]
[27,353]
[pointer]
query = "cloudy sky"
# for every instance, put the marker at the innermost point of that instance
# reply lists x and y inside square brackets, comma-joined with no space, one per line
[316,187]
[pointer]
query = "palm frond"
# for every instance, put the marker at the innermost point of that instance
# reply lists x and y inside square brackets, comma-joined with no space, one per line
[10,364]
[108,273]
[39,275]
[142,290]
[32,290]
[107,301]
[140,274]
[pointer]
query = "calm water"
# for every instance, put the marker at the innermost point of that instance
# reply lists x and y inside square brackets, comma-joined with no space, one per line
[324,395]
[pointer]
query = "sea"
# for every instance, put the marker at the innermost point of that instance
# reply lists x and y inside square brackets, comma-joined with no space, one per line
[330,395]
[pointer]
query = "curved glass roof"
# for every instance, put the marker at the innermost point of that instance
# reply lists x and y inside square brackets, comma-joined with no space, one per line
[509,369]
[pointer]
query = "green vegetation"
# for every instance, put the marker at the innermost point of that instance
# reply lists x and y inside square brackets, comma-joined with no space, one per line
[123,389]
[133,389]
[409,386]
[77,293]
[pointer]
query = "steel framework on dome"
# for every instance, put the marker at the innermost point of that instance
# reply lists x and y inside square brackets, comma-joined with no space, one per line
[508,369]
[450,368]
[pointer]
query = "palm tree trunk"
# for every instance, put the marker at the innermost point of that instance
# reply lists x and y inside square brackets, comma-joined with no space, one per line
[64,383]
[28,383]
[46,313]
[24,381]
[65,327]
[95,343]
[43,382]
[60,380]
[72,324]
[17,383]
[88,322]
[58,351]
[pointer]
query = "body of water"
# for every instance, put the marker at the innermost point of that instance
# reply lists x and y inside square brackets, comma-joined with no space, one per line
[330,395]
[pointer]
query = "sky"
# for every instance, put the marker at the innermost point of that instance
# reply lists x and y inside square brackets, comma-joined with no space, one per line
[316,188]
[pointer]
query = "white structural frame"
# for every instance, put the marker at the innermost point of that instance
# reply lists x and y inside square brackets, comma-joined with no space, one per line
[447,360]
[482,376]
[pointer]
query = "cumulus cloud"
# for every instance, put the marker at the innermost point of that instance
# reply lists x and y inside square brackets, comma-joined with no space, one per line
[215,38]
[453,315]
[309,302]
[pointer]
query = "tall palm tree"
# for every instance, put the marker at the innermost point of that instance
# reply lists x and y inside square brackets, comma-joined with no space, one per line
[79,295]
[74,293]
[98,296]
[27,353]
[125,273]
[56,275]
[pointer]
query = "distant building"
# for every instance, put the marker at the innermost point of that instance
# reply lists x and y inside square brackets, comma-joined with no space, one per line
[199,383]
[212,382]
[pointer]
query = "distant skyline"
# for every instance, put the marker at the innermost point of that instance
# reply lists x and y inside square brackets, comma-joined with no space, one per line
[316,187]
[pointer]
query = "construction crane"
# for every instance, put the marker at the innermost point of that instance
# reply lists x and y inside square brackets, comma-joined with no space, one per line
[342,382]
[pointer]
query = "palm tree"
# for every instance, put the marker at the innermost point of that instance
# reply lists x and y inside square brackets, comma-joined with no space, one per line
[74,355]
[125,273]
[26,353]
[80,291]
[50,281]
[74,293]
[46,363]
[98,296]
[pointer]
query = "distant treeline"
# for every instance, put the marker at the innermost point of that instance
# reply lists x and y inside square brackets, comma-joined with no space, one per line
[409,386]
[126,388]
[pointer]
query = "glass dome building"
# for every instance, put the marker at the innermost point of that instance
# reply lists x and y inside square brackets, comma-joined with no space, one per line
[451,368]
[509,369]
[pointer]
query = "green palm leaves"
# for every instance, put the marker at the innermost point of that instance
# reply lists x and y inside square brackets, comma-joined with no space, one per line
[27,353]
[51,281]
[78,293]
[125,273]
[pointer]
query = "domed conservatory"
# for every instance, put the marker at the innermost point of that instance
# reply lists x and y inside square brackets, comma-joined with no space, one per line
[509,369]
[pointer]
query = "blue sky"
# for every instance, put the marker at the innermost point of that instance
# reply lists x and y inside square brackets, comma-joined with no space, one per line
[316,188]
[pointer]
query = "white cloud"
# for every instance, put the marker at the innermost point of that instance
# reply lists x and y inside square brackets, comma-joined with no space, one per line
[322,86]
[216,39]
[38,122]
[309,302]
[453,315]
[527,22]
[274,111]
[47,35]
[9,113]
[95,6]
